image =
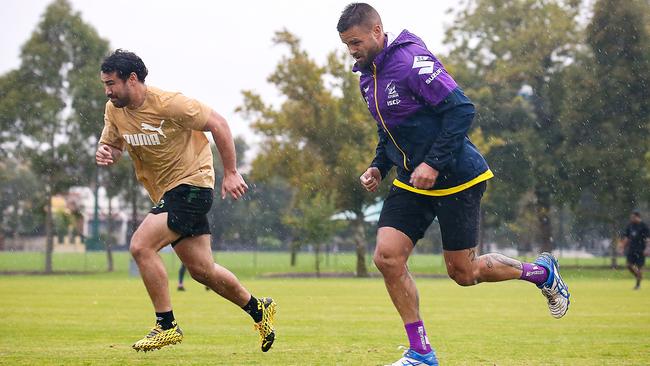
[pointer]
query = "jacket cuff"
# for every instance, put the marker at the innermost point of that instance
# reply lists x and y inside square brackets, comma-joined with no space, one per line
[382,170]
[436,163]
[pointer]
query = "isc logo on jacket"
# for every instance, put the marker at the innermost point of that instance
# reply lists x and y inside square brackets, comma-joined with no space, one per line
[392,95]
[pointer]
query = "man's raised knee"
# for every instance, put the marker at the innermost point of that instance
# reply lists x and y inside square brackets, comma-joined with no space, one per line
[199,272]
[387,263]
[462,277]
[136,248]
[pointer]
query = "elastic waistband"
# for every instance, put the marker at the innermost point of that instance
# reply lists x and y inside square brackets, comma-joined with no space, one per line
[445,191]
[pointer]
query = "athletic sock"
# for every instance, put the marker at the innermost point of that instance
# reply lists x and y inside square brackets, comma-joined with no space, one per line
[254,309]
[166,320]
[534,273]
[418,340]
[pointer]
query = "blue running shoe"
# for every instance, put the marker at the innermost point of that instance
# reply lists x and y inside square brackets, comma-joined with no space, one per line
[555,290]
[412,358]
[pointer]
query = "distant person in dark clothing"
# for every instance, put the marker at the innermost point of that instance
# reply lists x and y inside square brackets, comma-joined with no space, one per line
[635,236]
[181,274]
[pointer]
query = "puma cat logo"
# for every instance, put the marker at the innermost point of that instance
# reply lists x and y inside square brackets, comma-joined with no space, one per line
[159,130]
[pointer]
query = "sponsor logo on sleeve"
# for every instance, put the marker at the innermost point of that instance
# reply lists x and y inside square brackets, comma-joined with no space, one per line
[424,63]
[433,76]
[426,66]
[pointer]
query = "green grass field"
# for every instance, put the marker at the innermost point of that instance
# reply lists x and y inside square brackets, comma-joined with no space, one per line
[93,319]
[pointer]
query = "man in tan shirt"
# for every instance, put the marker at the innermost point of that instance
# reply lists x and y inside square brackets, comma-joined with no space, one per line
[164,135]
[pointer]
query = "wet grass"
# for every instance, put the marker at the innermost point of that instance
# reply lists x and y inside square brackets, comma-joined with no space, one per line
[251,264]
[93,320]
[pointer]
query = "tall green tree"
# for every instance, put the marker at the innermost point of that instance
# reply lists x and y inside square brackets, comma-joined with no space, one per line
[607,123]
[311,221]
[226,214]
[261,218]
[520,48]
[116,179]
[61,103]
[321,138]
[20,196]
[9,104]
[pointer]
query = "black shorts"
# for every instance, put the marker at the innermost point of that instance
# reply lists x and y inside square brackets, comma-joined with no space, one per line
[458,215]
[187,208]
[636,258]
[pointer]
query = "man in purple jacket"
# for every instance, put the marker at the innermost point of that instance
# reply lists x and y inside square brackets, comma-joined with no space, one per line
[422,121]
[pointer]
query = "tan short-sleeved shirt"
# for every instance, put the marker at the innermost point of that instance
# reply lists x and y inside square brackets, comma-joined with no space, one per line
[165,140]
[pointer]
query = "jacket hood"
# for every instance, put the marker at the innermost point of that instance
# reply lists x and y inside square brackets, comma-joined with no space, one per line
[390,44]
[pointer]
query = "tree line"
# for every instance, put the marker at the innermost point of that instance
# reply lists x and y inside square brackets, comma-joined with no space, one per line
[562,117]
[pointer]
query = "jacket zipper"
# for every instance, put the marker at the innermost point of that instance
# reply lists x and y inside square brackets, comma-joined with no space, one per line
[374,77]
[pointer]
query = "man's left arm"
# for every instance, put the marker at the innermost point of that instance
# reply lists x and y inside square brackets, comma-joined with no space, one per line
[439,91]
[233,182]
[197,116]
[457,114]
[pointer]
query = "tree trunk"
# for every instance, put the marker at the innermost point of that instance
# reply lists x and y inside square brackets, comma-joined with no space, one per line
[327,255]
[360,241]
[15,228]
[543,210]
[544,123]
[49,240]
[216,240]
[2,237]
[256,248]
[294,252]
[317,253]
[110,237]
[561,242]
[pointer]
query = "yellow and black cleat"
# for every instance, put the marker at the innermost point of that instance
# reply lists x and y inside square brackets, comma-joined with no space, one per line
[265,326]
[158,338]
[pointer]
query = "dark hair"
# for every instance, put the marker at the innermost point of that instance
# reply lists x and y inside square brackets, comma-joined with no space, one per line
[124,63]
[636,213]
[357,14]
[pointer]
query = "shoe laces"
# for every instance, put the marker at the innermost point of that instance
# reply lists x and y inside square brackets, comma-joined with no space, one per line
[549,292]
[155,331]
[404,352]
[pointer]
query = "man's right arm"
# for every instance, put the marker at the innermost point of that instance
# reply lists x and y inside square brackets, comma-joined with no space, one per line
[111,143]
[233,183]
[379,167]
[381,160]
[107,155]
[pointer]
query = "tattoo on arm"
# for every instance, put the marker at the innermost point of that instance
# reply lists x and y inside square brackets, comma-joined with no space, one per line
[505,260]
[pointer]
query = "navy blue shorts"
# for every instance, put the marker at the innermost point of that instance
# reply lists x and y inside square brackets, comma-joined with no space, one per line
[636,258]
[458,215]
[187,208]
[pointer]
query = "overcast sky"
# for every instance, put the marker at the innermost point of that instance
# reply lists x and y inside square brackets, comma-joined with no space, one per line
[212,50]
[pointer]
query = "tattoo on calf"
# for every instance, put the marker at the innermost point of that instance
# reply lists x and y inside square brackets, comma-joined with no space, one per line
[488,262]
[507,261]
[472,255]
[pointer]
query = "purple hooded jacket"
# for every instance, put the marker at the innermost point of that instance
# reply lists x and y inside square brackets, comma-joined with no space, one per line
[422,116]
